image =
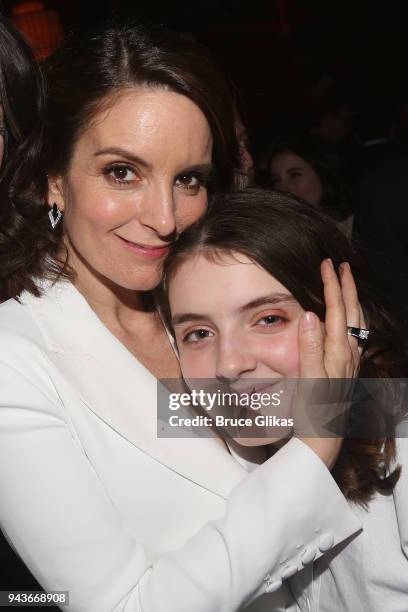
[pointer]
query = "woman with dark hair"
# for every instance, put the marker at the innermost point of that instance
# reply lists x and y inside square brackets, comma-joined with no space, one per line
[21,98]
[258,254]
[139,126]
[311,168]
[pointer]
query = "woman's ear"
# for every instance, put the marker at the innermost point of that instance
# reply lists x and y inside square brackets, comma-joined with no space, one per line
[56,192]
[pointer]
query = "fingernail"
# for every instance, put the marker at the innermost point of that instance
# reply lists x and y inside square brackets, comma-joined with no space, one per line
[309,320]
[329,261]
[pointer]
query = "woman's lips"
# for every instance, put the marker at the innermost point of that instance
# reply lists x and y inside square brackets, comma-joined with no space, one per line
[148,251]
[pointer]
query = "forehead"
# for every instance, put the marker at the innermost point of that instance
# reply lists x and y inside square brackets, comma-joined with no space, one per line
[150,122]
[233,280]
[287,159]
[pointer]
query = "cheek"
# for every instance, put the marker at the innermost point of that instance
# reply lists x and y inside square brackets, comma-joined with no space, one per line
[190,209]
[98,207]
[281,354]
[197,364]
[314,190]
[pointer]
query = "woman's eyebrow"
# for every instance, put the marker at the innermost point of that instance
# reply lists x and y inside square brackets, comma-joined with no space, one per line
[125,153]
[275,298]
[205,169]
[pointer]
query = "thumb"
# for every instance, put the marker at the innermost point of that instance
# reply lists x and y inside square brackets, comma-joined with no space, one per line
[311,347]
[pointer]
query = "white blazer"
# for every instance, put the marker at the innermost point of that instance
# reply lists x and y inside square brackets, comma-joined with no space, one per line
[369,573]
[97,505]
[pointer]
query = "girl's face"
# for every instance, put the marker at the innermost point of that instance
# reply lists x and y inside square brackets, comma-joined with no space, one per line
[233,321]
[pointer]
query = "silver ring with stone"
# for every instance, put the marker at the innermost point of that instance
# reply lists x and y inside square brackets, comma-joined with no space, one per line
[360,333]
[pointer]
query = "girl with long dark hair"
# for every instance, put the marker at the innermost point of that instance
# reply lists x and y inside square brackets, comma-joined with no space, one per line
[240,284]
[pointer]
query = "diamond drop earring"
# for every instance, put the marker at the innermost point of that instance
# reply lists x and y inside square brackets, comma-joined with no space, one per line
[55,215]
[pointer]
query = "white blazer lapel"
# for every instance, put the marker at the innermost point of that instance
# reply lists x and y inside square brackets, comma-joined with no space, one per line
[401,492]
[114,385]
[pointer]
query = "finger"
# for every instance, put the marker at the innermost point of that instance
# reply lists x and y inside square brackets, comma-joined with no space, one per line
[336,319]
[311,347]
[350,295]
[352,306]
[363,323]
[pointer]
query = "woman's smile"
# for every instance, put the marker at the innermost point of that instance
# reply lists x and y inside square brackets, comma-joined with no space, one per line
[148,251]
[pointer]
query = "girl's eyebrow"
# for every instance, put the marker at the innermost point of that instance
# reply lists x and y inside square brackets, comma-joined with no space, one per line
[187,316]
[275,298]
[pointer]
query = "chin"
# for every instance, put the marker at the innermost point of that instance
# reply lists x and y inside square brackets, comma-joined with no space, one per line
[146,281]
[257,441]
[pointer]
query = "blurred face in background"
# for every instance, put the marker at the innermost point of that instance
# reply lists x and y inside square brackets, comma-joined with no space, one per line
[293,174]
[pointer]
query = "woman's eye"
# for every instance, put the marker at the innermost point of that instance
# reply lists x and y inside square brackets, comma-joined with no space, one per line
[197,335]
[190,182]
[120,173]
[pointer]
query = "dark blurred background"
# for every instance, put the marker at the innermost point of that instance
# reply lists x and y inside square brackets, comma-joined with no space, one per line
[290,59]
[335,69]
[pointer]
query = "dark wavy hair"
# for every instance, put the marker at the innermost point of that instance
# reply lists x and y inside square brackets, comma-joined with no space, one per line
[82,77]
[23,101]
[328,163]
[21,92]
[289,240]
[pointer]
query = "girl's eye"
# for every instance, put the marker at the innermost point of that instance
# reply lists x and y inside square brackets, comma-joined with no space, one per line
[294,175]
[197,335]
[270,320]
[190,182]
[120,173]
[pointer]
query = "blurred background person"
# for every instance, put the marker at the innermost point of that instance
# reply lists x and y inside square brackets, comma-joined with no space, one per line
[312,169]
[381,191]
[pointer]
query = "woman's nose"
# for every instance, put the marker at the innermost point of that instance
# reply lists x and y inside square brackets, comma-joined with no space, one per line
[157,210]
[234,360]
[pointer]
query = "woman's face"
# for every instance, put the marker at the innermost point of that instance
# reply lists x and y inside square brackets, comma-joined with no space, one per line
[2,134]
[136,179]
[291,173]
[233,321]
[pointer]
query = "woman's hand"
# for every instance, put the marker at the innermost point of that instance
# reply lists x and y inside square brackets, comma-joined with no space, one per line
[333,354]
[328,352]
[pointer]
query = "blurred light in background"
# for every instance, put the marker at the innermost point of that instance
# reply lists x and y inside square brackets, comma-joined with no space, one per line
[41,27]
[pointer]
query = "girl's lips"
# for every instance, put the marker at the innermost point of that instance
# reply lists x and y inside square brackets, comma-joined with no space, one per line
[262,387]
[151,252]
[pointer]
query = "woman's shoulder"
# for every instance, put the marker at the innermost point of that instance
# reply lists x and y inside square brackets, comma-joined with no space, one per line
[17,321]
[58,319]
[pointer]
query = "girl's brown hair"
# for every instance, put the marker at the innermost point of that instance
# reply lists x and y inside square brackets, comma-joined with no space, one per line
[289,239]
